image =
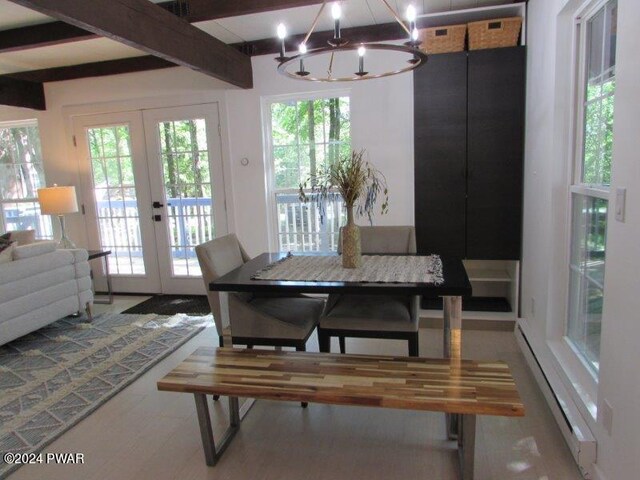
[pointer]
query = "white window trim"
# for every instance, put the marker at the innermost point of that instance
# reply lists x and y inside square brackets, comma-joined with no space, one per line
[31,122]
[269,173]
[577,374]
[578,95]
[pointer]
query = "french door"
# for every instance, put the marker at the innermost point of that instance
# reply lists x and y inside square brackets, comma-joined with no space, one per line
[153,189]
[187,189]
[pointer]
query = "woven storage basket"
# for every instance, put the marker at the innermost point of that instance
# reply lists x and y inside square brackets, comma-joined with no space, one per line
[443,39]
[501,32]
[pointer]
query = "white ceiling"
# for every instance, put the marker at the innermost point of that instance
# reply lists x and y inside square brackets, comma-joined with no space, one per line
[356,13]
[229,30]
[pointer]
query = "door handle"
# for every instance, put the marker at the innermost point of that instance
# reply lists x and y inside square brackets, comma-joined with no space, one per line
[157,218]
[157,205]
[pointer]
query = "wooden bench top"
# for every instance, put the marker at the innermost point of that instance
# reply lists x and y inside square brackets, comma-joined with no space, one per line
[452,386]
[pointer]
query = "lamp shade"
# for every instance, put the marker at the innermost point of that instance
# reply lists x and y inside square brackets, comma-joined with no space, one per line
[57,200]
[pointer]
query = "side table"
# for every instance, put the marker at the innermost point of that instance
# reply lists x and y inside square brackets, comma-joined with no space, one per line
[93,254]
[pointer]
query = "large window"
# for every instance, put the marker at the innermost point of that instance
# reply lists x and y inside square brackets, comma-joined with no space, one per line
[21,174]
[592,177]
[305,135]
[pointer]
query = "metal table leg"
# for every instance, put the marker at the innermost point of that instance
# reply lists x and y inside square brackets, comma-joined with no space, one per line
[211,454]
[452,345]
[107,274]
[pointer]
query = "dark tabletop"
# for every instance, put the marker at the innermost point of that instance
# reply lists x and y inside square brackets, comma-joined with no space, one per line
[456,282]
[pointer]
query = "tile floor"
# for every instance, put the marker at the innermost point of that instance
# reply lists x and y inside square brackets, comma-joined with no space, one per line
[145,434]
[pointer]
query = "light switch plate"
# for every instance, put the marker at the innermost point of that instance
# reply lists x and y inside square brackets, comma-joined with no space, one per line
[620,206]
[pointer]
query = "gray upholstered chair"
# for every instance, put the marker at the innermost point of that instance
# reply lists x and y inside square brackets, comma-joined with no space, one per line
[374,316]
[285,321]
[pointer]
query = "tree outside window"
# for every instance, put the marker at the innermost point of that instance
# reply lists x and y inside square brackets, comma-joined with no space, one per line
[306,135]
[21,174]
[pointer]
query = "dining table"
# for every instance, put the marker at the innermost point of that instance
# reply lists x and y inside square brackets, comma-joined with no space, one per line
[453,285]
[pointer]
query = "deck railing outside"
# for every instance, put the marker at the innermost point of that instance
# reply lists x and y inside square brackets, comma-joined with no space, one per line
[190,221]
[300,228]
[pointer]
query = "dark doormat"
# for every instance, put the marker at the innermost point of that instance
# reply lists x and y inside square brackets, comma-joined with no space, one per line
[173,304]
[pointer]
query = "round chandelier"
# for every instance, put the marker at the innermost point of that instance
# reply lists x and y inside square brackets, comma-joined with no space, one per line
[342,61]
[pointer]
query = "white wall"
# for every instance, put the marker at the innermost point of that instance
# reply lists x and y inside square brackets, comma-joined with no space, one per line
[381,122]
[547,155]
[381,117]
[160,88]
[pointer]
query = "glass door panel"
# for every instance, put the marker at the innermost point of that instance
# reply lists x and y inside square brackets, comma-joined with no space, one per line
[185,170]
[116,197]
[187,190]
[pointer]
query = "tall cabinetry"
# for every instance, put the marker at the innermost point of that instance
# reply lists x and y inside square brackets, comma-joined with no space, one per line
[469,142]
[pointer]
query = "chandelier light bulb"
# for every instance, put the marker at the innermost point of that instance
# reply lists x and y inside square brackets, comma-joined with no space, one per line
[336,11]
[282,31]
[415,35]
[302,48]
[361,51]
[411,13]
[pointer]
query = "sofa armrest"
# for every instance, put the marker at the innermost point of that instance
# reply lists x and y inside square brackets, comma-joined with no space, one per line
[79,254]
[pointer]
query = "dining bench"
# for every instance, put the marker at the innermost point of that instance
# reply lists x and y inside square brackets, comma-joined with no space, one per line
[464,387]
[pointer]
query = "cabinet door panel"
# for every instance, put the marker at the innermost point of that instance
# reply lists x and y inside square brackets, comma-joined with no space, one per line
[496,90]
[440,126]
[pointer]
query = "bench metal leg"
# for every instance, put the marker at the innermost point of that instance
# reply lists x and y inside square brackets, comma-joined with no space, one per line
[467,445]
[211,454]
[452,421]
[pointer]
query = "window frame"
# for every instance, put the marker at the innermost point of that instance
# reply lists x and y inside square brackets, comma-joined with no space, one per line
[29,122]
[270,177]
[570,355]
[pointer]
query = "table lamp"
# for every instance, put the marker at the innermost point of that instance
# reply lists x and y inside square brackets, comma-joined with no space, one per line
[58,201]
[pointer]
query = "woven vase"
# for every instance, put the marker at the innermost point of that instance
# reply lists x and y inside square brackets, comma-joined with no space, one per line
[351,248]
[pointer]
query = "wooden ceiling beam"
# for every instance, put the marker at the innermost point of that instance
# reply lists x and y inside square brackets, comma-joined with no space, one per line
[56,33]
[147,27]
[19,93]
[43,35]
[93,69]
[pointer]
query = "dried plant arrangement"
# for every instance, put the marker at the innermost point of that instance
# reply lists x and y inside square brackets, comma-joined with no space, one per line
[355,179]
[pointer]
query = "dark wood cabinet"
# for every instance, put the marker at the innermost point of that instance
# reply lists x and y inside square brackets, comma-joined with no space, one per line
[469,142]
[440,126]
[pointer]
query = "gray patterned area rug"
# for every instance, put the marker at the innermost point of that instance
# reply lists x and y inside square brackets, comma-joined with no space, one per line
[54,377]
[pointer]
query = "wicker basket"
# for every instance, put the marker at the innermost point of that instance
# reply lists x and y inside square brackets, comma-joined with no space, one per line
[443,39]
[501,32]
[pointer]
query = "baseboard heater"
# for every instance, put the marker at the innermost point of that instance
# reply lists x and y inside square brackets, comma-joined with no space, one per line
[574,429]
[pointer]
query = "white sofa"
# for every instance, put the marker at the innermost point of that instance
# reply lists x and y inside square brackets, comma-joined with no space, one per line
[41,285]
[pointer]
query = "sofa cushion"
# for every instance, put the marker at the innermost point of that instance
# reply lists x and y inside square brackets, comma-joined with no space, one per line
[23,237]
[33,249]
[17,270]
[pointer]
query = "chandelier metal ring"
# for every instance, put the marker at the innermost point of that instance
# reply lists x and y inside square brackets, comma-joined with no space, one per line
[338,43]
[419,57]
